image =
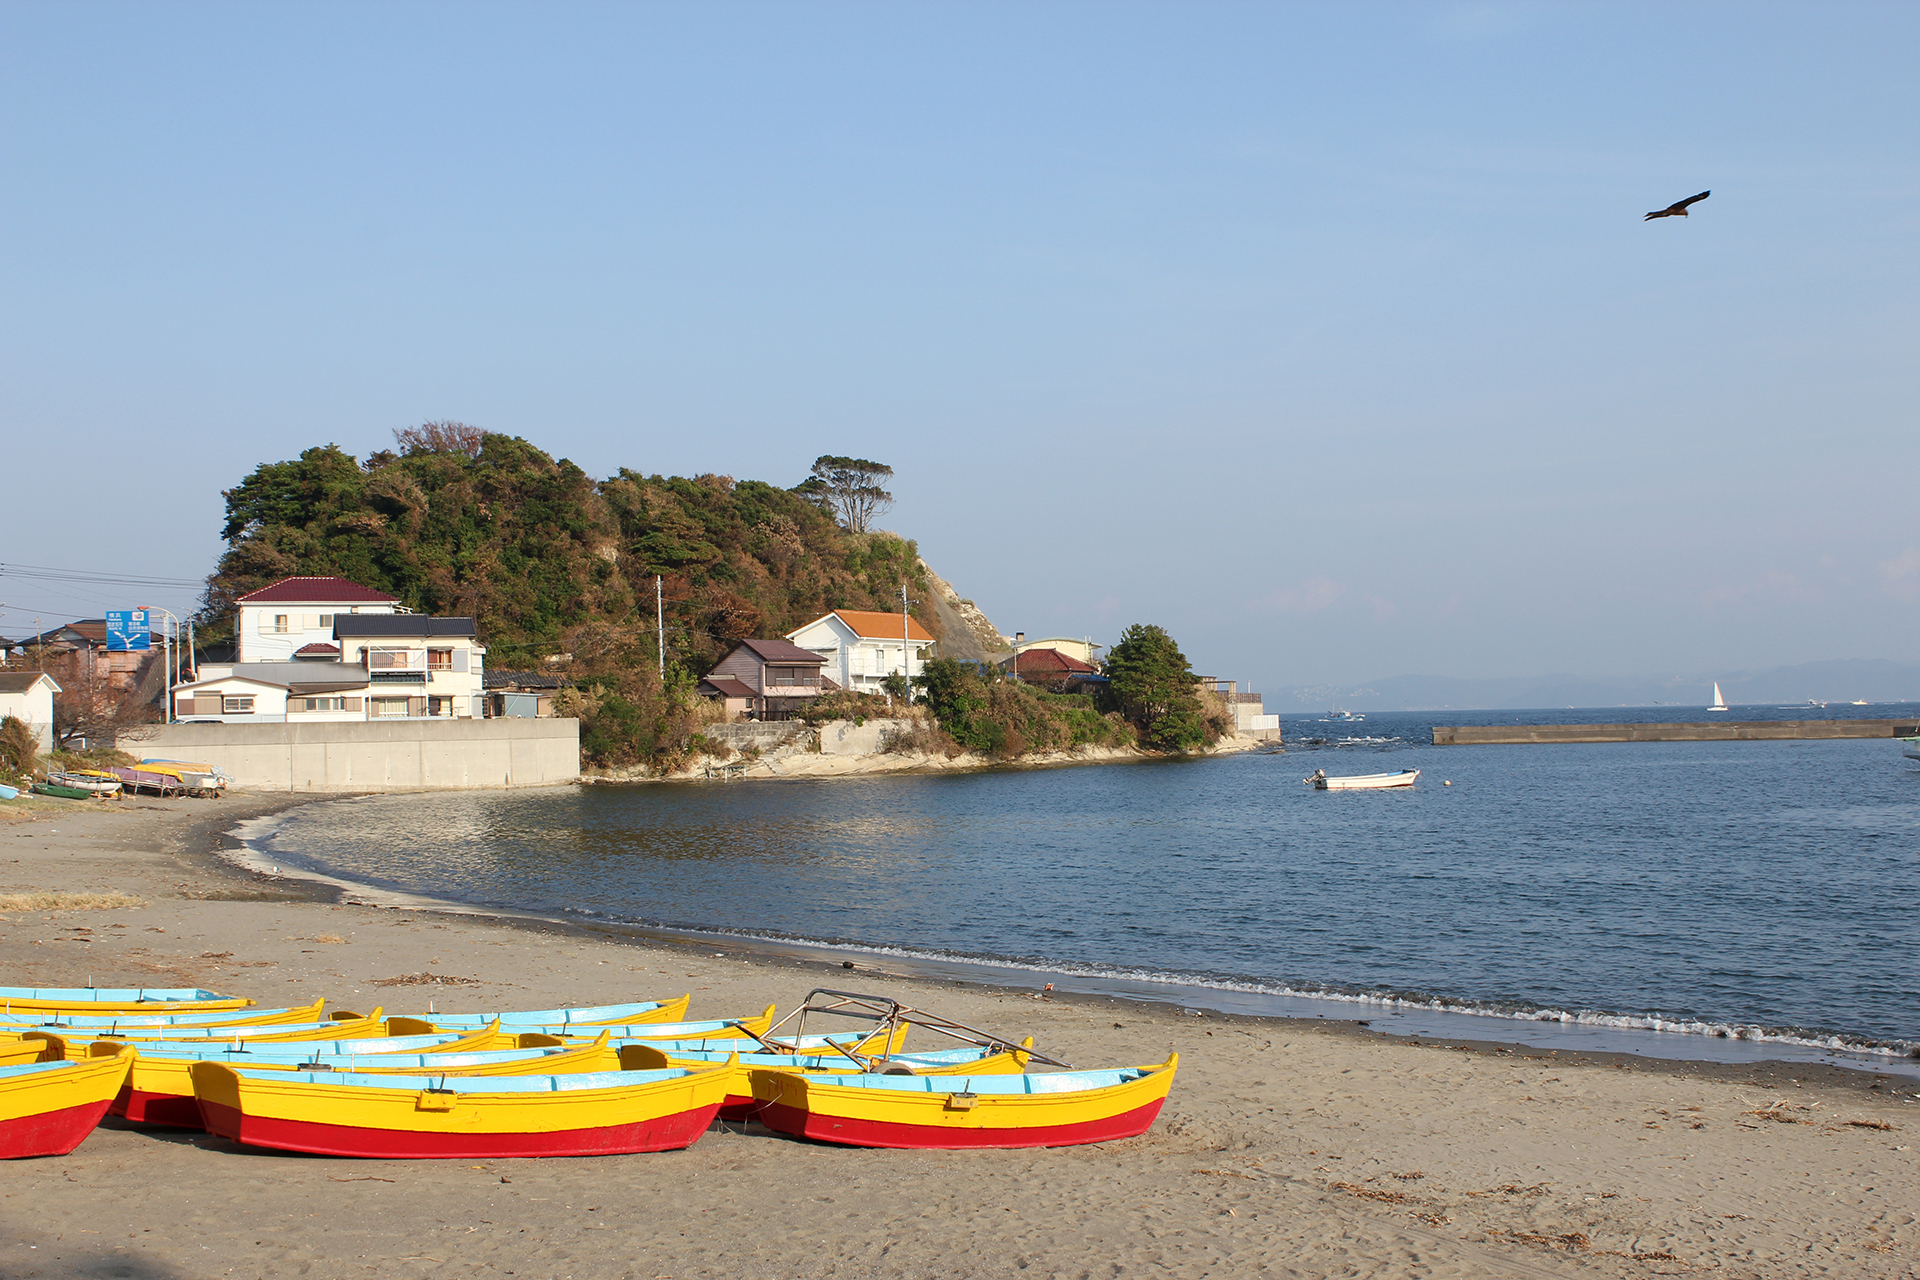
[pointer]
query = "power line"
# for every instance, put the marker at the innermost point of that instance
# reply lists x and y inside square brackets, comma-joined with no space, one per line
[46,573]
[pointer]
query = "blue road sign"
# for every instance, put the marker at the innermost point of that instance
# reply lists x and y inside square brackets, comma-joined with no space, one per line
[127,629]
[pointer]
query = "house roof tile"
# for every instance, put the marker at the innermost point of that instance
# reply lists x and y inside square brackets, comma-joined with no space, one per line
[870,624]
[317,591]
[1034,662]
[727,687]
[783,651]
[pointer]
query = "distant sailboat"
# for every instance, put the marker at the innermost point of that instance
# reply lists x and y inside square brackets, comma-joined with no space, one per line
[1719,703]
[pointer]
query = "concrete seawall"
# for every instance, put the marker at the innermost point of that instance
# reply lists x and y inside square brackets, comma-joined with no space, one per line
[404,755]
[1704,731]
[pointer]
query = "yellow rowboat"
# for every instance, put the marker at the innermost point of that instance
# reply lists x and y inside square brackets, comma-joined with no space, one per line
[159,1091]
[371,1025]
[716,1029]
[944,1113]
[110,1023]
[428,1117]
[591,1019]
[868,1043]
[98,1000]
[49,1108]
[15,1053]
[740,1105]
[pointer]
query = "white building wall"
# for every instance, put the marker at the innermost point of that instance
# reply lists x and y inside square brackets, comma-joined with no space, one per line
[274,632]
[34,708]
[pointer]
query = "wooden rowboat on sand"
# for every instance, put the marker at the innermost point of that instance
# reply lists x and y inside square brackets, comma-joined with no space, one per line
[547,1020]
[159,1091]
[430,1117]
[740,1104]
[944,1113]
[98,1000]
[49,1108]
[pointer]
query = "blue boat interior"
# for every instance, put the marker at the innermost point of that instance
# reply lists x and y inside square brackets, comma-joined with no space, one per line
[477,1084]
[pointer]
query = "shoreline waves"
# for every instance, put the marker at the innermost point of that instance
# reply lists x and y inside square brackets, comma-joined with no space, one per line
[1643,1034]
[1290,1148]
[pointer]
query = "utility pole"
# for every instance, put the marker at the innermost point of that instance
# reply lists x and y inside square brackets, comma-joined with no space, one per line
[906,643]
[660,626]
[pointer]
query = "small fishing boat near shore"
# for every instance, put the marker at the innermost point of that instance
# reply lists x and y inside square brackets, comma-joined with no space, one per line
[1319,780]
[49,1108]
[957,1112]
[459,1117]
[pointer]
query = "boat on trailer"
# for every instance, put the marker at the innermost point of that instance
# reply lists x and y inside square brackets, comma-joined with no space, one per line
[1319,781]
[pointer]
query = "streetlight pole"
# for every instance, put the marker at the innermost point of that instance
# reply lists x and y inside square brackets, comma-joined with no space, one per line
[660,626]
[906,643]
[167,640]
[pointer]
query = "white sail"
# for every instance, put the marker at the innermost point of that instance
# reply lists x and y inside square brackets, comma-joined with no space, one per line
[1719,703]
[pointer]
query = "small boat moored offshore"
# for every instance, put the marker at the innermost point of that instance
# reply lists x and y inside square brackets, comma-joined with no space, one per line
[49,1108]
[1360,781]
[431,1117]
[1910,748]
[948,1113]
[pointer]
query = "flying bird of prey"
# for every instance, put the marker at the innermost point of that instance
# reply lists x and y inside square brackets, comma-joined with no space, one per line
[1678,209]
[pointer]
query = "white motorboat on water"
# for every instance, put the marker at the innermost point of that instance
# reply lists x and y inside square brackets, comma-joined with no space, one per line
[1910,748]
[1719,703]
[1338,716]
[1361,781]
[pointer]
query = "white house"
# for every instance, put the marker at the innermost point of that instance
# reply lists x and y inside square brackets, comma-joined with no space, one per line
[863,647]
[276,622]
[27,696]
[373,664]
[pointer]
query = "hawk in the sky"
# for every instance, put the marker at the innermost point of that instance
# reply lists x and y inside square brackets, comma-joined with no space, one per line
[1678,209]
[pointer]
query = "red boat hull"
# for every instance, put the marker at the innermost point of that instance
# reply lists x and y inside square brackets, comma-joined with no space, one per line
[929,1137]
[51,1133]
[169,1109]
[664,1133]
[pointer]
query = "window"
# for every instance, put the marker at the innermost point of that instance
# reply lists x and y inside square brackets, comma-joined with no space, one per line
[326,704]
[279,624]
[323,622]
[440,706]
[439,659]
[389,706]
[396,659]
[240,706]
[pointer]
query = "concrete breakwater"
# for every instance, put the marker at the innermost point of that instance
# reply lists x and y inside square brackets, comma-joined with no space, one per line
[1702,731]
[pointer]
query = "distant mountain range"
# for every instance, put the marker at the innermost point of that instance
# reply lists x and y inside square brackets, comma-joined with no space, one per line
[1870,679]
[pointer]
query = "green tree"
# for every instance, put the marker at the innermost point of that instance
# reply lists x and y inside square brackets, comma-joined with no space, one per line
[849,488]
[1152,685]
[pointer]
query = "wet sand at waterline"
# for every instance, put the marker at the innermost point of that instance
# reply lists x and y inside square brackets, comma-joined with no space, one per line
[1287,1148]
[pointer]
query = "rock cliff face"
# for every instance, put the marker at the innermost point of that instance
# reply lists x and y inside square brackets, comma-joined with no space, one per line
[967,633]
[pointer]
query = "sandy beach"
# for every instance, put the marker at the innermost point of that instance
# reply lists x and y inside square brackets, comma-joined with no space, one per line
[1288,1148]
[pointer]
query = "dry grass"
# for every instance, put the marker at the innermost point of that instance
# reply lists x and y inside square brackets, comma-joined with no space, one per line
[331,939]
[67,901]
[425,979]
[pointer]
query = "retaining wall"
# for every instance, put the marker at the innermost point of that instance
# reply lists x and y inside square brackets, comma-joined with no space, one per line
[406,755]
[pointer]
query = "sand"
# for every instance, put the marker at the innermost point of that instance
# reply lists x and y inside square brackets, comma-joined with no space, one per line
[1287,1149]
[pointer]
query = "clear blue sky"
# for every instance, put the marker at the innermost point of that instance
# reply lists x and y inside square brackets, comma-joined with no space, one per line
[1327,336]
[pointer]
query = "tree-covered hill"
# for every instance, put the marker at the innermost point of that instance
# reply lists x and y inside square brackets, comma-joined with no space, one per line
[489,526]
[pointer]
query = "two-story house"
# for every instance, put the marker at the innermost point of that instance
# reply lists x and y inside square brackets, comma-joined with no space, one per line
[863,647]
[371,662]
[766,679]
[277,622]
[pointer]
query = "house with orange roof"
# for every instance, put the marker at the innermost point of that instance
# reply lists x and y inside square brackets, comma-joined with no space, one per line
[862,647]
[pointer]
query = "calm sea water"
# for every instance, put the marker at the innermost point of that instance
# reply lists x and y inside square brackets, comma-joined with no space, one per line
[1772,887]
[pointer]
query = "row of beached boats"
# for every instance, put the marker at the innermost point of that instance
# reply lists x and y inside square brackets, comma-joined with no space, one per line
[608,1080]
[152,777]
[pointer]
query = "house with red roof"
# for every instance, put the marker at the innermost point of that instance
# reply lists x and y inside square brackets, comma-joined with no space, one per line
[862,647]
[1051,669]
[287,620]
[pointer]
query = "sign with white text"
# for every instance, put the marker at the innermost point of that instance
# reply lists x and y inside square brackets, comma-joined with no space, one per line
[127,630]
